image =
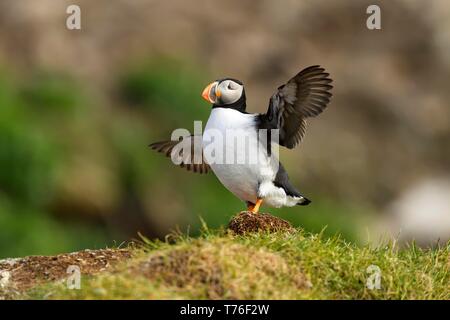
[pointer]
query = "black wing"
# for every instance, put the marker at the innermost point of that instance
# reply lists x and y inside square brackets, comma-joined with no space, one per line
[187,153]
[305,95]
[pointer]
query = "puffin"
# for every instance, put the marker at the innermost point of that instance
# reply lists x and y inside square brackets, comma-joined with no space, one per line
[264,181]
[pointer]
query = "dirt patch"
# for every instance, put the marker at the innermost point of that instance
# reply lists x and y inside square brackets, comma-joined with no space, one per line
[248,222]
[224,271]
[184,269]
[24,273]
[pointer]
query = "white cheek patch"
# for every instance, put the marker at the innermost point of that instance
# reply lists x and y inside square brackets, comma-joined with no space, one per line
[230,96]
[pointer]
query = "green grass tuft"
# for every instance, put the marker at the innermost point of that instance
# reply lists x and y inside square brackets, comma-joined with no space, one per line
[265,266]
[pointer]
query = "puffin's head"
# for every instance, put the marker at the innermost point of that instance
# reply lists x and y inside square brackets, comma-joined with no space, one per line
[226,93]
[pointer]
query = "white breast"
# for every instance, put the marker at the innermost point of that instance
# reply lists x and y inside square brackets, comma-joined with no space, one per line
[224,118]
[248,166]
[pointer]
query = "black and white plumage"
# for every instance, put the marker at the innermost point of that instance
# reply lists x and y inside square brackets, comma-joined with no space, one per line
[305,95]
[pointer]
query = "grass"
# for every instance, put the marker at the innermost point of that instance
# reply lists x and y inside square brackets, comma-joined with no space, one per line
[299,265]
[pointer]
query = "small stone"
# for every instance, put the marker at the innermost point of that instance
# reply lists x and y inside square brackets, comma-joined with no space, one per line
[4,278]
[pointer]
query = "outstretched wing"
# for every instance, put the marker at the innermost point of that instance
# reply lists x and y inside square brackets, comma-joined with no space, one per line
[305,95]
[186,153]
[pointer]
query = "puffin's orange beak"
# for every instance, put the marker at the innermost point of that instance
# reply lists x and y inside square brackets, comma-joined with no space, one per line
[208,95]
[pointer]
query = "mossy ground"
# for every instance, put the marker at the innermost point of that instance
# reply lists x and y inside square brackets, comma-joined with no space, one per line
[289,265]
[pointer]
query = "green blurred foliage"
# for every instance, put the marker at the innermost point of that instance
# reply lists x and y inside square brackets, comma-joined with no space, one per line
[28,162]
[27,158]
[27,231]
[30,157]
[167,88]
[51,93]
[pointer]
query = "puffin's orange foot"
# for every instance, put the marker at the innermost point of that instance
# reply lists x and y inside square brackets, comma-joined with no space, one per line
[254,208]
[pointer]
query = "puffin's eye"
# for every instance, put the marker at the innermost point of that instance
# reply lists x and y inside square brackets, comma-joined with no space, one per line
[232,86]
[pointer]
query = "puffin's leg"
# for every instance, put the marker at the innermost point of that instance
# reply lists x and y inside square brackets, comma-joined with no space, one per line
[258,203]
[250,206]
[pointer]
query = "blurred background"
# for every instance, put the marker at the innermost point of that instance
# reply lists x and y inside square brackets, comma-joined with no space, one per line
[79,107]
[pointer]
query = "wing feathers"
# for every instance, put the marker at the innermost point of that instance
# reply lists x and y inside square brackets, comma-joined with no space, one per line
[188,160]
[307,94]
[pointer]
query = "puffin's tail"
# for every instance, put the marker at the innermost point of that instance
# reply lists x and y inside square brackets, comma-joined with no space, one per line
[282,181]
[303,201]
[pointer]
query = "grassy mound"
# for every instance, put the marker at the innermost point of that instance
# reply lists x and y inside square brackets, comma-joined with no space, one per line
[289,265]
